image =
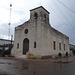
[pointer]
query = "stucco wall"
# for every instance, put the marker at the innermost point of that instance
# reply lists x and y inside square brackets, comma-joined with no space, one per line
[41,32]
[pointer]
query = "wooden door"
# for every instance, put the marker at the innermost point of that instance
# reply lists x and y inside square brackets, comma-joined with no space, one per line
[25,46]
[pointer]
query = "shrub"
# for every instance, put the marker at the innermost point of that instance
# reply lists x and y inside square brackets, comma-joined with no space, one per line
[6,52]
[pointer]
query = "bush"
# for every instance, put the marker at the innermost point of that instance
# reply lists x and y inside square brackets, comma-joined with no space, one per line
[66,53]
[7,52]
[59,54]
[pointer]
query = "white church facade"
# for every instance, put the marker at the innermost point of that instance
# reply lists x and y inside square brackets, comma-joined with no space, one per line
[36,38]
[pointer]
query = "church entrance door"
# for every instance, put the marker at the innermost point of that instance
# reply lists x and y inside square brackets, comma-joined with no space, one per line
[25,46]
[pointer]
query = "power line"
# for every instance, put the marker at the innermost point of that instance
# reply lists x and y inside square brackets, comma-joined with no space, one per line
[69,3]
[54,10]
[68,12]
[69,24]
[66,7]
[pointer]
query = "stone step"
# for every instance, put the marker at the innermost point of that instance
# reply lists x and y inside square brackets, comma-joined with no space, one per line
[22,56]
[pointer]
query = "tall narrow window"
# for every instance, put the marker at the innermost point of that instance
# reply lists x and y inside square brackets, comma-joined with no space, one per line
[17,45]
[34,44]
[59,46]
[54,45]
[64,46]
[45,16]
[35,15]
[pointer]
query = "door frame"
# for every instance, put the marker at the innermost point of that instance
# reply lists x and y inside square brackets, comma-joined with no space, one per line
[25,46]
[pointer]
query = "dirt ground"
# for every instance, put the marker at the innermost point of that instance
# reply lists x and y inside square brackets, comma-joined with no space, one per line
[54,60]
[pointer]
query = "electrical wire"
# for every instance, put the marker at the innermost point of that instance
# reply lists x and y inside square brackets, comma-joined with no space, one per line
[70,27]
[66,7]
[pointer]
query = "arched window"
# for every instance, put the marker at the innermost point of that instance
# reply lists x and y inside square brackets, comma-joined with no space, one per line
[35,15]
[17,45]
[54,45]
[59,46]
[34,44]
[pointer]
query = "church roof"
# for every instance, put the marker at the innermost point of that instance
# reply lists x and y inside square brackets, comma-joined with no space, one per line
[40,7]
[56,31]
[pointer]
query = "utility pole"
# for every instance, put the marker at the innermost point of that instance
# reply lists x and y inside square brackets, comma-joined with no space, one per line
[9,21]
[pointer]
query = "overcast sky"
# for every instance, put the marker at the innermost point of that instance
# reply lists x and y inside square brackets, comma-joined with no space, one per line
[62,15]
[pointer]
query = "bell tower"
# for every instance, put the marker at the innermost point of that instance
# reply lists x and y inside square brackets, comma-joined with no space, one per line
[39,14]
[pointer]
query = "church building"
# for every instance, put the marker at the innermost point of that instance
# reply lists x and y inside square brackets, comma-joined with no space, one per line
[36,38]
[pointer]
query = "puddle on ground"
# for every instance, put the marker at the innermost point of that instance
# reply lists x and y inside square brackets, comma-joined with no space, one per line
[18,67]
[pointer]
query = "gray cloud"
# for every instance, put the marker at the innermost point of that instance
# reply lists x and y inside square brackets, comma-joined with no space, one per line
[62,16]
